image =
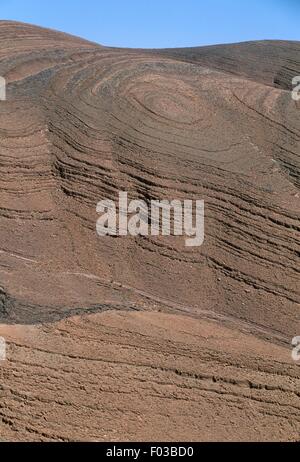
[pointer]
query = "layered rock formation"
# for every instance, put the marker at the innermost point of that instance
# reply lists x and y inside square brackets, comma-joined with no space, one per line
[143,337]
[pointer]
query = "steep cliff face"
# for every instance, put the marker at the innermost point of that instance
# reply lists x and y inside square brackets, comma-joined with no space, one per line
[82,122]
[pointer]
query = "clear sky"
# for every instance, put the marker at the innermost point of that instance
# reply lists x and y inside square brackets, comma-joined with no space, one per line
[162,23]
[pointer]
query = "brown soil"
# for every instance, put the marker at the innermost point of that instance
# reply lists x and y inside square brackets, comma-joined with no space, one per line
[134,338]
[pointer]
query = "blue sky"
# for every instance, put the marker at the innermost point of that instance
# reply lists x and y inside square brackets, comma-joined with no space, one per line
[162,23]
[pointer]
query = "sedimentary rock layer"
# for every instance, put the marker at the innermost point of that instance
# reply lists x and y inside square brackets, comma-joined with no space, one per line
[125,337]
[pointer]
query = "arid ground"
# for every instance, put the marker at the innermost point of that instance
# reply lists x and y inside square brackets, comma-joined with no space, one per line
[142,338]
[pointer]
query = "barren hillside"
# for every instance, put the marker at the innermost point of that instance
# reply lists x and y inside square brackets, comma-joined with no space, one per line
[125,338]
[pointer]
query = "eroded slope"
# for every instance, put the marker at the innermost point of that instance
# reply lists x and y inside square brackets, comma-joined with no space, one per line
[83,122]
